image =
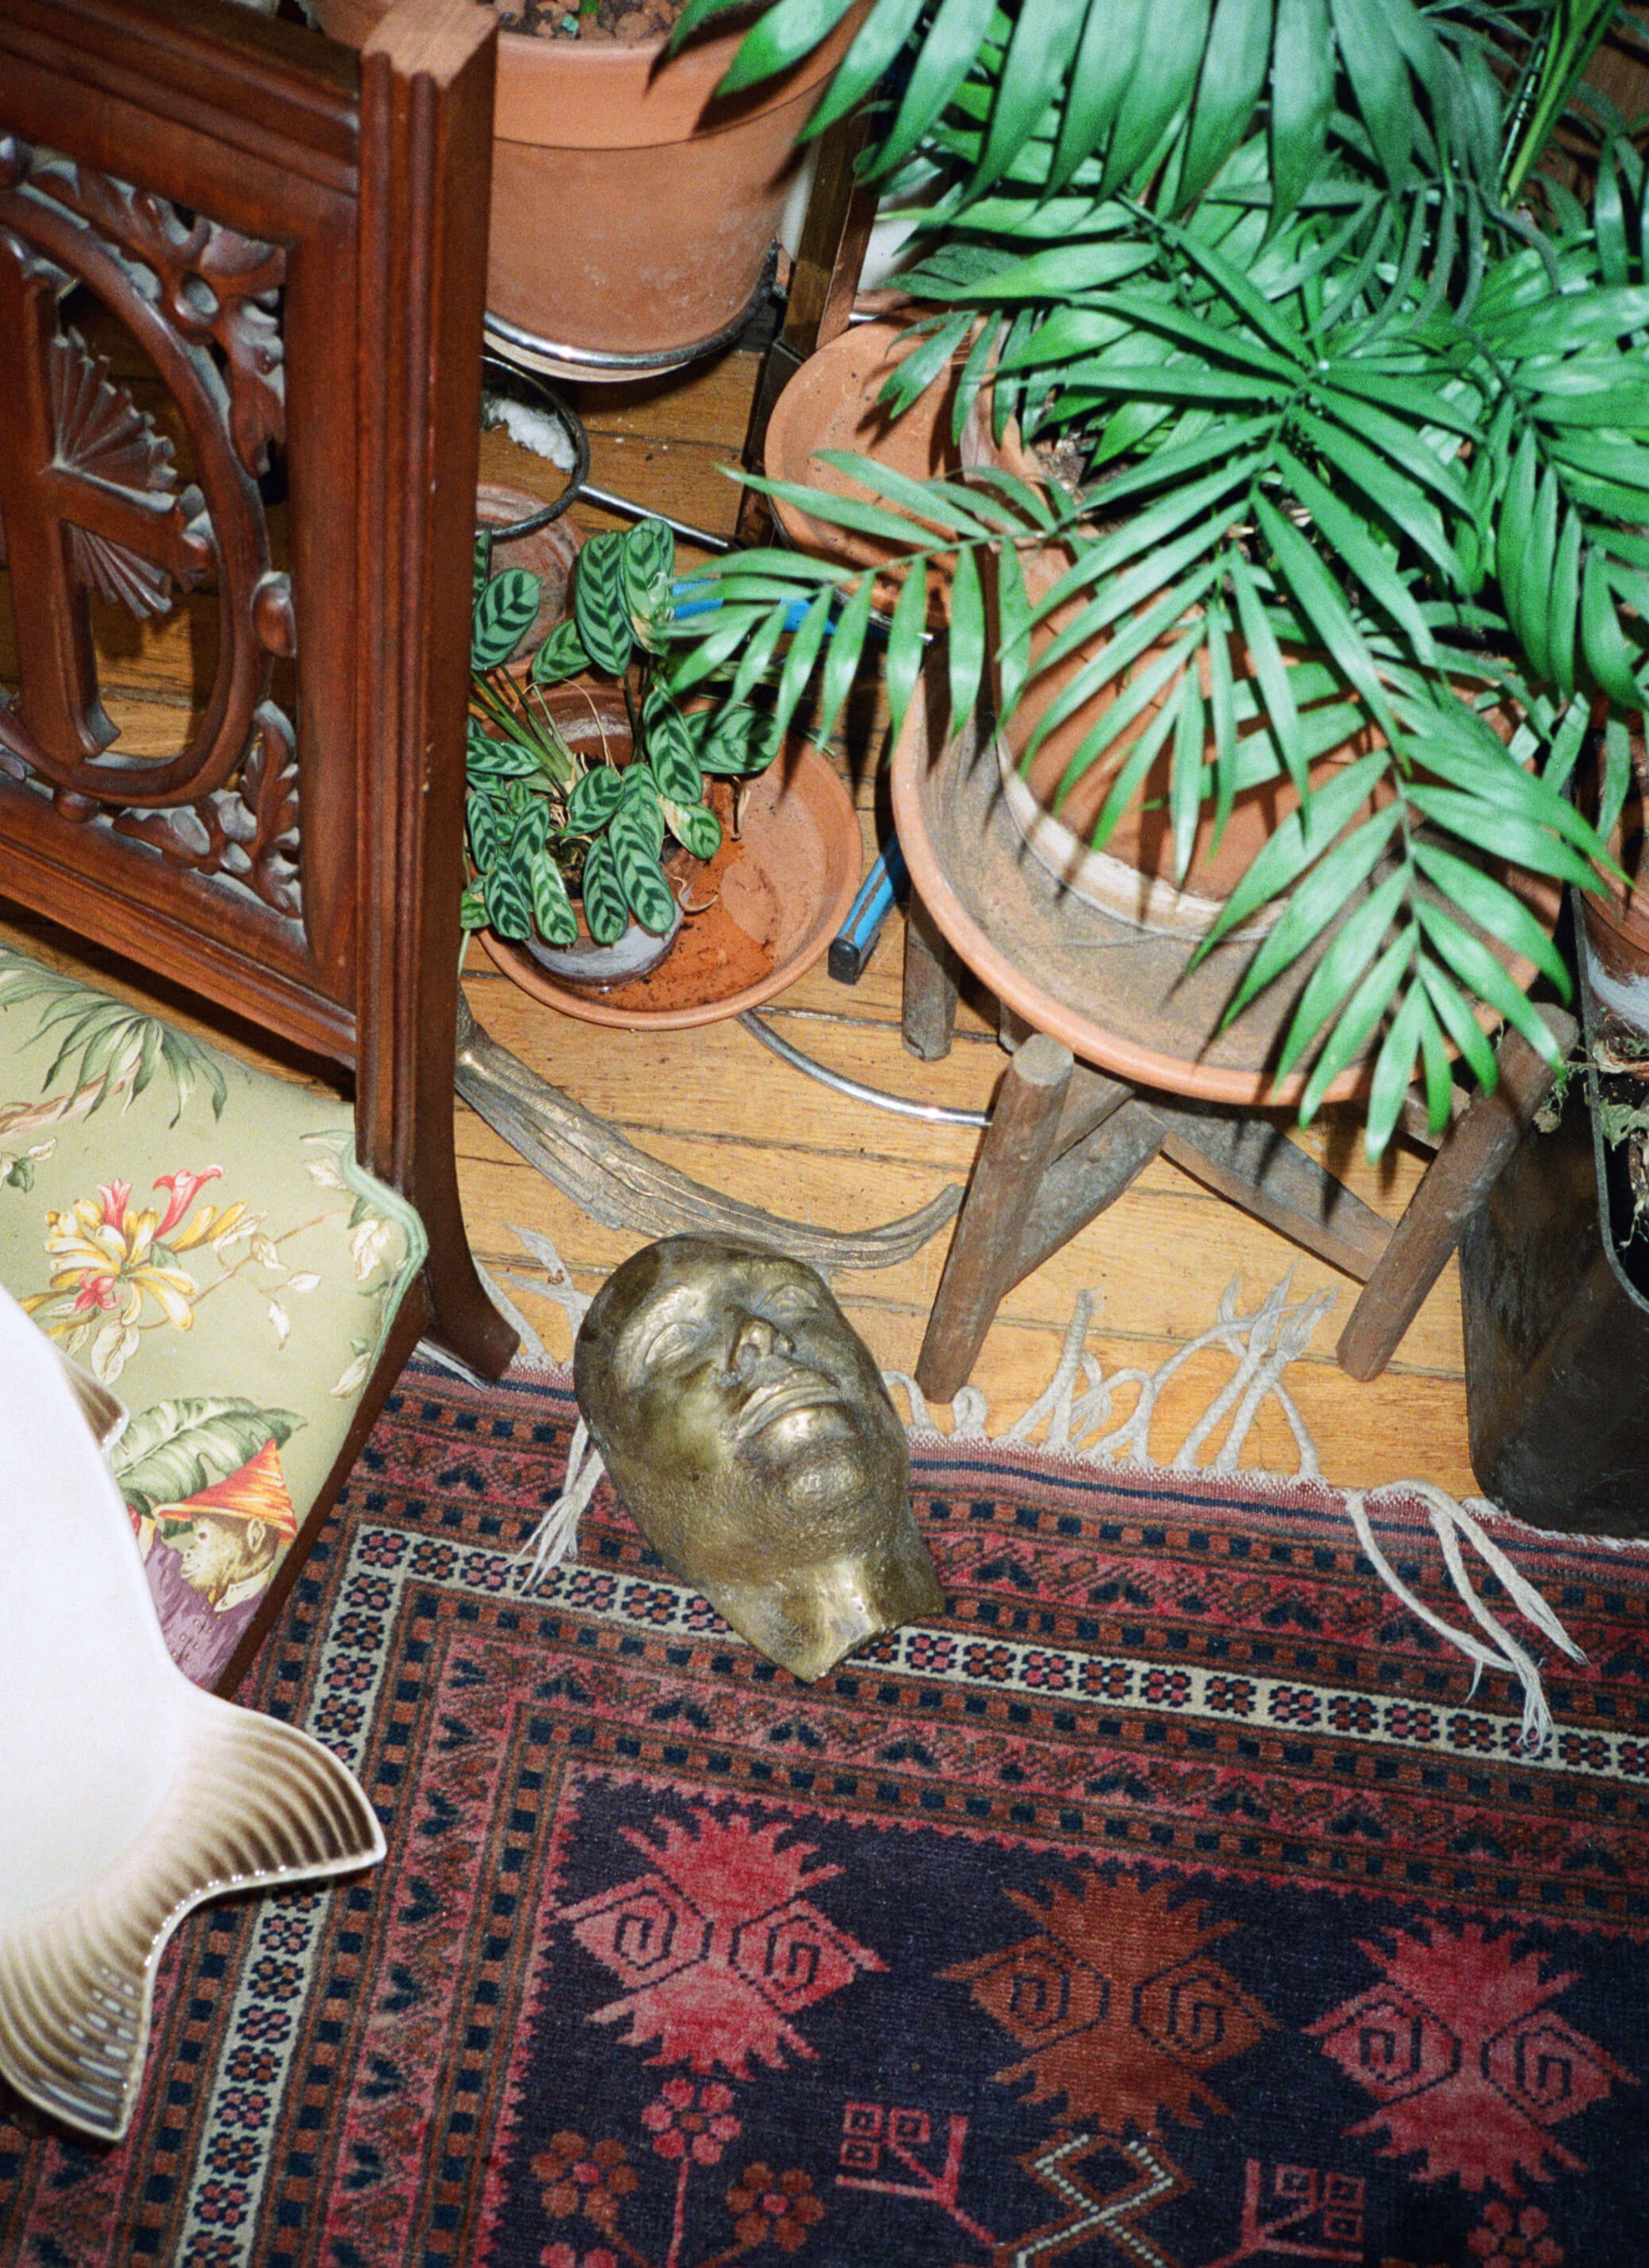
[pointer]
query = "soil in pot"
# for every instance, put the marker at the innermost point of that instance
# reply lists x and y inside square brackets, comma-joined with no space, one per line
[729,940]
[629,22]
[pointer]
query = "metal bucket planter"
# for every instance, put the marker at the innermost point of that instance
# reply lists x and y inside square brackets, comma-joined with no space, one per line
[1556,1334]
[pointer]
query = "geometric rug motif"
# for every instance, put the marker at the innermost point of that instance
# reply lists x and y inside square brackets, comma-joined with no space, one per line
[1171,1901]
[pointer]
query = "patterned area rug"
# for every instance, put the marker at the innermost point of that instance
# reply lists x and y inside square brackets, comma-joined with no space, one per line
[1175,1903]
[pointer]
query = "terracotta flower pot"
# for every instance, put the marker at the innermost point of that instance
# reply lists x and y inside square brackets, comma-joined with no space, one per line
[632,211]
[771,900]
[832,403]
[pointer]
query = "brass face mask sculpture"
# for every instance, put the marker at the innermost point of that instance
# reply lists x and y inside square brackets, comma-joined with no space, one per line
[747,1428]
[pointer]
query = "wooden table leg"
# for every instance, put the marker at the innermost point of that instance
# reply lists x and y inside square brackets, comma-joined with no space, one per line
[1456,1182]
[1013,1154]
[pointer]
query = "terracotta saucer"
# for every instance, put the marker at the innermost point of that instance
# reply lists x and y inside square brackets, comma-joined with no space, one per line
[1127,999]
[787,888]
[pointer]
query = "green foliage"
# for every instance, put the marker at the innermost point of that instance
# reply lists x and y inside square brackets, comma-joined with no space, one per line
[105,1049]
[1363,452]
[544,821]
[174,1449]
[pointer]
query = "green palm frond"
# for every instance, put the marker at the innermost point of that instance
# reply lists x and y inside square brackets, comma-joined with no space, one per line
[104,1047]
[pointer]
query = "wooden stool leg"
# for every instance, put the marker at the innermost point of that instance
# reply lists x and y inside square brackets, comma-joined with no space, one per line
[983,1261]
[928,1010]
[1456,1182]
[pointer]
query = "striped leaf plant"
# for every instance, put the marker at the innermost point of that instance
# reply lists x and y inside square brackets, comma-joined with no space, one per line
[1356,376]
[547,826]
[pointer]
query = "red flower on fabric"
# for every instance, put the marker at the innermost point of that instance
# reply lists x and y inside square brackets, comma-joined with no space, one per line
[689,2121]
[1470,2065]
[1505,2241]
[782,2209]
[715,1944]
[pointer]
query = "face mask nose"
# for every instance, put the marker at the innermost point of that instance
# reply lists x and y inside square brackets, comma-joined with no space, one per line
[755,1338]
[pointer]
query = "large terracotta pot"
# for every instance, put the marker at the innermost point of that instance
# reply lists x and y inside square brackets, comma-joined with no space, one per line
[633,213]
[832,403]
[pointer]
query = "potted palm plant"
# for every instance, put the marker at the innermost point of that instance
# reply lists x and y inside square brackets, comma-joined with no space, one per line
[1359,533]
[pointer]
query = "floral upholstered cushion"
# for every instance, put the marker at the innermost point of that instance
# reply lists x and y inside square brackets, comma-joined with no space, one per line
[198,1236]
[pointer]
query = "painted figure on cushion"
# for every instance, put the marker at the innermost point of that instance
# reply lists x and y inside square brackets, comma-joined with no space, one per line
[746,1427]
[237,1531]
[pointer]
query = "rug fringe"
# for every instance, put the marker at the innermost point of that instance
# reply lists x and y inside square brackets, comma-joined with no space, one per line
[1072,1423]
[1450,1521]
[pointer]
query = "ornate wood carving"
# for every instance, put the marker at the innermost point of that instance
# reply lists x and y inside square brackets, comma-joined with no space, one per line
[91,507]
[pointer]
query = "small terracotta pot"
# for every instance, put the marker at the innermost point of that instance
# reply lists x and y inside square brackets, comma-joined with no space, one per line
[832,403]
[632,210]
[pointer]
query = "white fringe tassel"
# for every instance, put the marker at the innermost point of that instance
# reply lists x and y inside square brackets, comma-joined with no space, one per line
[557,1532]
[1261,1344]
[1450,1521]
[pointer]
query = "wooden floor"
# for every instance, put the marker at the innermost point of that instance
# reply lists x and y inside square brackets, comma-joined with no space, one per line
[716,1104]
[719,1106]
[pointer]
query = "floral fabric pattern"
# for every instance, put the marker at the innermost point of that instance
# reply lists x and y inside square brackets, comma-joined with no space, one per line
[197,1236]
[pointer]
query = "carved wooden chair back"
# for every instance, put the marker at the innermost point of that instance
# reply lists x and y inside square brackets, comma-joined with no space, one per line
[287,242]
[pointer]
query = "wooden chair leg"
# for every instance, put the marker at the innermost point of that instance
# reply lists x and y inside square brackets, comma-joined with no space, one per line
[931,971]
[1456,1182]
[980,1265]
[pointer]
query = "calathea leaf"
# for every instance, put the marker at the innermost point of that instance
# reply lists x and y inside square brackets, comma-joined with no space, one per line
[506,893]
[552,909]
[481,563]
[561,655]
[606,908]
[594,800]
[670,749]
[472,908]
[636,864]
[485,828]
[487,759]
[639,803]
[530,833]
[648,570]
[742,742]
[503,613]
[599,603]
[694,825]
